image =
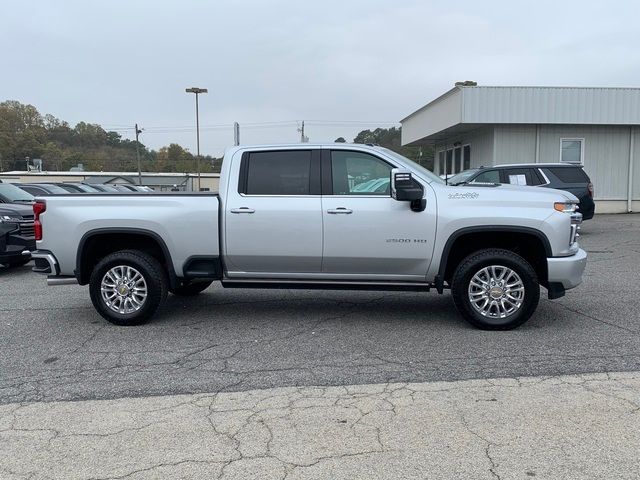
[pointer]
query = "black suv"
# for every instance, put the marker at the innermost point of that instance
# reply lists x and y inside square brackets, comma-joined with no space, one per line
[16,234]
[568,177]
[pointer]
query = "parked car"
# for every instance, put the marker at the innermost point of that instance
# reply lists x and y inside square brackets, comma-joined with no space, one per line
[37,189]
[77,187]
[16,234]
[127,188]
[103,188]
[561,176]
[9,193]
[292,217]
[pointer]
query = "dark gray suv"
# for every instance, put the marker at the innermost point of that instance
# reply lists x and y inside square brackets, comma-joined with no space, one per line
[567,177]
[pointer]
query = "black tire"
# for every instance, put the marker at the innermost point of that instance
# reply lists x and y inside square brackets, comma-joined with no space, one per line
[151,271]
[473,264]
[191,288]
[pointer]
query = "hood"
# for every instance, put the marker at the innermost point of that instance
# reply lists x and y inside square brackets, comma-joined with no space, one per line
[529,190]
[515,195]
[15,209]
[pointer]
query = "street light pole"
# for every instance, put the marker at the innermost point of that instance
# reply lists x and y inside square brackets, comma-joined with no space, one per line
[138,131]
[197,91]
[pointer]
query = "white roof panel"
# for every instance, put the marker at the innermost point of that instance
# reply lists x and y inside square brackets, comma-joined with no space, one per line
[480,105]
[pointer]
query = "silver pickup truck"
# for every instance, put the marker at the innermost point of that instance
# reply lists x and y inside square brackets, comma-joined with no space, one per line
[336,216]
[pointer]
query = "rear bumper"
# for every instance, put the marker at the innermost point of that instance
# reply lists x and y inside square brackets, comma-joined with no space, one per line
[567,271]
[45,262]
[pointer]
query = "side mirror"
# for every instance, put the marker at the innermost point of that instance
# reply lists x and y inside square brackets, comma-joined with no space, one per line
[405,189]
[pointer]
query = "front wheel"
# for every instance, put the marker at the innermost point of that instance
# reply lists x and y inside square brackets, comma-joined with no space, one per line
[495,289]
[127,287]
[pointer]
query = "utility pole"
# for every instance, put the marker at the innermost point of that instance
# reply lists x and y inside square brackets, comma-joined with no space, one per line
[236,133]
[138,131]
[303,139]
[1,169]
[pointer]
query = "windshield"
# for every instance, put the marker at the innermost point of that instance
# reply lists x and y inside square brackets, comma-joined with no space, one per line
[427,174]
[462,176]
[14,194]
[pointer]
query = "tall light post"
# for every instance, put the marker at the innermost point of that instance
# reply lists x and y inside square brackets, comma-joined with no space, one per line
[138,132]
[197,91]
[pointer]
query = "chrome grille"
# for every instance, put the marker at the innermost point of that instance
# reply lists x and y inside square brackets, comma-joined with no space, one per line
[26,229]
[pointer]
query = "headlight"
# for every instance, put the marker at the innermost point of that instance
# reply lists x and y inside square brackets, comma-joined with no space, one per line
[10,218]
[565,207]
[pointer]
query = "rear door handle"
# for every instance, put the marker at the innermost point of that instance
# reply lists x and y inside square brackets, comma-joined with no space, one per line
[340,210]
[242,210]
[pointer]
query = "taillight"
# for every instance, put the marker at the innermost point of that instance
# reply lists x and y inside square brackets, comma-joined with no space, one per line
[38,208]
[590,188]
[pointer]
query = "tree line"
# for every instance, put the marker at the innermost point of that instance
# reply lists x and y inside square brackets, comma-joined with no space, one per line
[26,133]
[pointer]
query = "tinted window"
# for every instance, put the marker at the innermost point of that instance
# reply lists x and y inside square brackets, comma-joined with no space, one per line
[569,175]
[356,173]
[490,176]
[467,157]
[279,173]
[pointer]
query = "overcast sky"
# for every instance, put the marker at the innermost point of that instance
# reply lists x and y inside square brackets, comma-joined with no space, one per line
[342,66]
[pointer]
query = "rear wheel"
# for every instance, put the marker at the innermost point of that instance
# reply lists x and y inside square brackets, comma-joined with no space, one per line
[191,288]
[127,287]
[495,289]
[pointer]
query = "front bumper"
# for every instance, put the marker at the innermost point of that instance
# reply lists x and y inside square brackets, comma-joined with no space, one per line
[13,245]
[567,271]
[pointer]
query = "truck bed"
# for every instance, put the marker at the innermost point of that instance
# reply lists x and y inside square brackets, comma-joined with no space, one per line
[185,222]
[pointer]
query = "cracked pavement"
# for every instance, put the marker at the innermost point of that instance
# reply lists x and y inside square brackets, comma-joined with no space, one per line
[566,427]
[92,400]
[54,346]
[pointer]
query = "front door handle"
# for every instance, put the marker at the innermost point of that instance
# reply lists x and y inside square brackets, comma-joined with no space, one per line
[242,210]
[340,210]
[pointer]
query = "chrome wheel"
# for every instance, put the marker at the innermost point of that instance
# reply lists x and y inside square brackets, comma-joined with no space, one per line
[123,289]
[496,291]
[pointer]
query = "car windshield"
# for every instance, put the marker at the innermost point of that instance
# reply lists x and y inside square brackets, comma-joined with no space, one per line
[14,194]
[462,176]
[428,174]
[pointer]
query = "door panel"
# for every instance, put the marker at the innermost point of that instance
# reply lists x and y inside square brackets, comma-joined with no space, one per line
[282,235]
[380,236]
[367,233]
[273,216]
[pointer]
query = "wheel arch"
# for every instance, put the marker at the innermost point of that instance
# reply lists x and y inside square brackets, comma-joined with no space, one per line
[98,243]
[530,243]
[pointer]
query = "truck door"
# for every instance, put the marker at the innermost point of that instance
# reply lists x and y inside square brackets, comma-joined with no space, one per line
[273,216]
[368,234]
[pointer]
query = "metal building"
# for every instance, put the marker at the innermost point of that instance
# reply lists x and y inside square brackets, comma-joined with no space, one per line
[470,126]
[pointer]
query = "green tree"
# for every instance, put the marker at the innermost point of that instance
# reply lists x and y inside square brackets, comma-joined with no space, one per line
[391,138]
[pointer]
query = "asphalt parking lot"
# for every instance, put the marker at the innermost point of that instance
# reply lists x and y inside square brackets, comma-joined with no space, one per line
[54,346]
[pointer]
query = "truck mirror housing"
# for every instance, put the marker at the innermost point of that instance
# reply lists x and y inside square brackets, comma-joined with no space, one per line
[405,189]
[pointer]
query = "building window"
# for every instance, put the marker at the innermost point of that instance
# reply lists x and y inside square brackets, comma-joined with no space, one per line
[454,160]
[572,150]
